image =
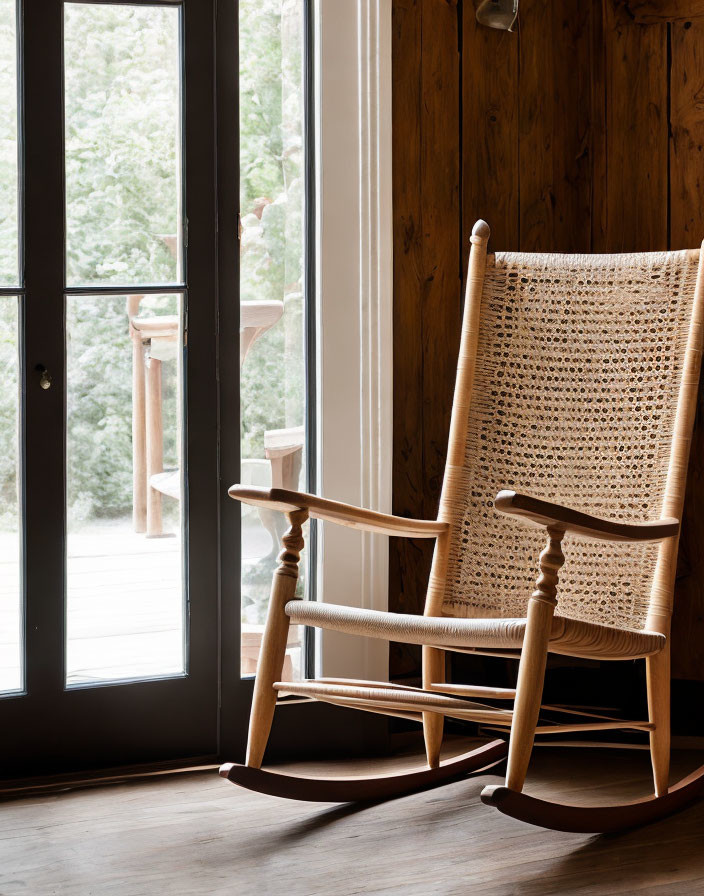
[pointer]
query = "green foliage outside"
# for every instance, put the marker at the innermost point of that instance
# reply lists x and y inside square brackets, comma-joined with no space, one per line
[8,146]
[8,266]
[271,200]
[8,412]
[122,143]
[99,406]
[123,209]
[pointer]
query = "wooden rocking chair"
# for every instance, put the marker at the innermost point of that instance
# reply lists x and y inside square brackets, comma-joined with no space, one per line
[577,382]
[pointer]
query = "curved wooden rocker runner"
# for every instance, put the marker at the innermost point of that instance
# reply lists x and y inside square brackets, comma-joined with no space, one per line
[577,379]
[595,819]
[365,789]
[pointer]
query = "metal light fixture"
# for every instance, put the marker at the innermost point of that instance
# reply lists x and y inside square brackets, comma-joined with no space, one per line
[501,14]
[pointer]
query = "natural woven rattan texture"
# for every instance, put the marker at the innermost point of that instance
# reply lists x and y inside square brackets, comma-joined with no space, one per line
[577,376]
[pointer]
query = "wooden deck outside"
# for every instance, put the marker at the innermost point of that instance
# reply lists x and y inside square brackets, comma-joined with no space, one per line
[124,605]
[10,679]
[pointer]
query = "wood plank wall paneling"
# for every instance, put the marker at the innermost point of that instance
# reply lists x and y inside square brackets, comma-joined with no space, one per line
[637,133]
[598,210]
[571,148]
[648,12]
[687,134]
[554,126]
[489,133]
[537,119]
[427,300]
[581,131]
[687,231]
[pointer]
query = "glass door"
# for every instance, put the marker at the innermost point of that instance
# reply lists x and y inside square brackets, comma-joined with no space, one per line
[267,422]
[276,259]
[11,603]
[124,343]
[108,327]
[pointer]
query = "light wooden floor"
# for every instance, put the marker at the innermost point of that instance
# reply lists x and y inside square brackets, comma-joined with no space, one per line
[196,834]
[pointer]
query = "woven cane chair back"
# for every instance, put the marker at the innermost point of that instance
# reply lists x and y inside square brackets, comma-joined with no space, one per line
[577,374]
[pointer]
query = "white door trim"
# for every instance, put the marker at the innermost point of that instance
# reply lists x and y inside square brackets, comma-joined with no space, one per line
[354,308]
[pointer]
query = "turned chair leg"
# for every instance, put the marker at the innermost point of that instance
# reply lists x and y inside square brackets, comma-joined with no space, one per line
[273,649]
[433,722]
[531,670]
[658,681]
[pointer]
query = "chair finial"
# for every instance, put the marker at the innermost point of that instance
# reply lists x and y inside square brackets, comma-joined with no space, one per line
[481,230]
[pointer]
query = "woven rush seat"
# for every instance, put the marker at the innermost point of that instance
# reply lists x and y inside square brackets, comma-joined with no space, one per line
[570,636]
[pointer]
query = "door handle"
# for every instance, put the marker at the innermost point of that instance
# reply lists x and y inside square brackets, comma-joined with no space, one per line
[44,376]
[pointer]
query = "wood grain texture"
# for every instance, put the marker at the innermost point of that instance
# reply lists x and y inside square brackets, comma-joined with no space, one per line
[658,679]
[688,615]
[528,127]
[409,562]
[537,120]
[567,151]
[571,141]
[597,819]
[490,98]
[273,650]
[357,788]
[546,513]
[427,283]
[687,229]
[636,133]
[598,210]
[687,134]
[440,209]
[531,668]
[649,12]
[286,501]
[199,836]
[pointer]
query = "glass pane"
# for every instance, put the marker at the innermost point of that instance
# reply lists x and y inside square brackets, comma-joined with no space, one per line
[273,390]
[9,256]
[11,665]
[125,587]
[123,144]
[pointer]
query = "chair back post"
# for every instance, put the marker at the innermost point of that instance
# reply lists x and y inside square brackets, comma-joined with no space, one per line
[460,411]
[661,595]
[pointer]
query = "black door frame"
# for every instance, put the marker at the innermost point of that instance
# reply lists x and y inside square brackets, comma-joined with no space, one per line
[203,714]
[52,728]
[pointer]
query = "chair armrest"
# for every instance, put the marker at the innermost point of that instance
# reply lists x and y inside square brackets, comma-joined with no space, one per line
[336,512]
[545,513]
